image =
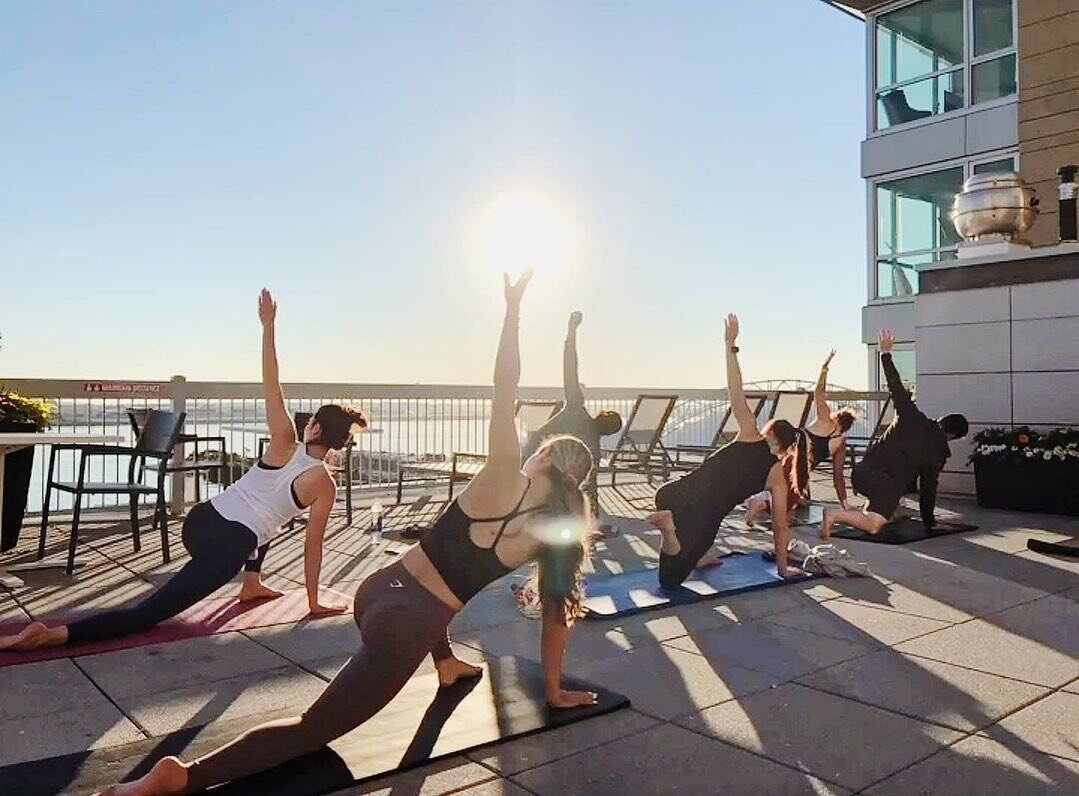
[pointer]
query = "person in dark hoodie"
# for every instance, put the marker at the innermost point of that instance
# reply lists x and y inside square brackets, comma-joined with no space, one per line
[912,446]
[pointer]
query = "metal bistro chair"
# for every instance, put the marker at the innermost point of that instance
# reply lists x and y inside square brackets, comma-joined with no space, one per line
[217,460]
[158,437]
[300,419]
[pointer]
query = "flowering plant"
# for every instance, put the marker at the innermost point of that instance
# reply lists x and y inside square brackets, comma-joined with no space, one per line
[15,408]
[1023,443]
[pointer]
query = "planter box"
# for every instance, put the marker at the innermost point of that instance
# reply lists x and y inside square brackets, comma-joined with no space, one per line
[1047,487]
[18,469]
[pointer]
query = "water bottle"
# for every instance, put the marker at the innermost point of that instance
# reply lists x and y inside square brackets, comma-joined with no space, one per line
[376,522]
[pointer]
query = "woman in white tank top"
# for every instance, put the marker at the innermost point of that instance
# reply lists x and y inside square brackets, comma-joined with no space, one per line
[234,529]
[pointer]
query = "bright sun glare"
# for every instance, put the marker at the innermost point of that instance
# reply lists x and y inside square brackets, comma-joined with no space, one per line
[525,229]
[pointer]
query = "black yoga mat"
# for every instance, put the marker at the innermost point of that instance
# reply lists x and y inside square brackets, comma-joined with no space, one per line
[903,531]
[612,596]
[1065,547]
[423,723]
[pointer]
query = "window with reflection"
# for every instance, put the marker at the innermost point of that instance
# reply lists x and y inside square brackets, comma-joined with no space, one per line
[913,227]
[926,51]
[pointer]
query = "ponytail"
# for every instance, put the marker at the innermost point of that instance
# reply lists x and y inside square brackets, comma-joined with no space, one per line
[800,471]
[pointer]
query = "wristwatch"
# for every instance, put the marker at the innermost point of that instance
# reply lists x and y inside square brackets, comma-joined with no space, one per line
[734,349]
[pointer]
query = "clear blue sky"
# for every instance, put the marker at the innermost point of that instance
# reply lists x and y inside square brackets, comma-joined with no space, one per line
[163,161]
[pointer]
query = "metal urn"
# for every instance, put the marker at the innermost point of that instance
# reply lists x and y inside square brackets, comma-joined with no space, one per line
[994,204]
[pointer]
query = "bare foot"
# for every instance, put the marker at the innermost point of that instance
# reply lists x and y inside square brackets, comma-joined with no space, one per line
[827,523]
[711,559]
[252,592]
[452,669]
[32,637]
[663,521]
[168,776]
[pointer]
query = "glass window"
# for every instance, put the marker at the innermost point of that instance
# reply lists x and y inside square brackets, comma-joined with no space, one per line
[995,166]
[992,26]
[925,50]
[913,227]
[990,80]
[919,40]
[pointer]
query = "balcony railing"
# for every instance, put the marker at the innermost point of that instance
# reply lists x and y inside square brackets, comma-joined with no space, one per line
[408,422]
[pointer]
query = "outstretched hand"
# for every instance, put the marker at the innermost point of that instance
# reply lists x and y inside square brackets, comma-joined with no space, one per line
[831,356]
[515,290]
[575,319]
[267,308]
[886,340]
[730,331]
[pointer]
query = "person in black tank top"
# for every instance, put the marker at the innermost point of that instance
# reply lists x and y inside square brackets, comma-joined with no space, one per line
[690,509]
[403,610]
[827,433]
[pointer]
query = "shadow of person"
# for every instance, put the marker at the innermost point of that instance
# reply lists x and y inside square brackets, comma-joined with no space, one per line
[446,701]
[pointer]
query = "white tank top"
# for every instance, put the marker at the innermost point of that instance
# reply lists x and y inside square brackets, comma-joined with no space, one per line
[262,499]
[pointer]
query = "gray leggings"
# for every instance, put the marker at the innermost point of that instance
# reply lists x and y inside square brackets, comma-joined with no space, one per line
[400,623]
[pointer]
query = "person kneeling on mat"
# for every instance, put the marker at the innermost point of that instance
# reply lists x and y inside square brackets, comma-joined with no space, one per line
[690,509]
[912,446]
[507,516]
[236,526]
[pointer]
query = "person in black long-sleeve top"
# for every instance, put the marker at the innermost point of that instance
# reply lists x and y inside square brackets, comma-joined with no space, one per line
[912,446]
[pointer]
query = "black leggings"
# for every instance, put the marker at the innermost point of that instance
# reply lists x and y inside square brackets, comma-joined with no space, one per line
[695,537]
[218,549]
[400,623]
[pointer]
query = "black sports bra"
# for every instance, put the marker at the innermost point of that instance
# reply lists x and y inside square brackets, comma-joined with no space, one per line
[465,566]
[820,451]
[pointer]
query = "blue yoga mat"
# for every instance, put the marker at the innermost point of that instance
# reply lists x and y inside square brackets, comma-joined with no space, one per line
[612,596]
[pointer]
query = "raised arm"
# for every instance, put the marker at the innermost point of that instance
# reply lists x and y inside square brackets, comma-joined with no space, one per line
[571,384]
[504,447]
[819,403]
[282,429]
[901,399]
[743,416]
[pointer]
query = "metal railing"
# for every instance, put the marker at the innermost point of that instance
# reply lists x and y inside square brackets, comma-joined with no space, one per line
[408,422]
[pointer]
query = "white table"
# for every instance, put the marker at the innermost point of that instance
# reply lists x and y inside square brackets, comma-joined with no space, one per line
[10,442]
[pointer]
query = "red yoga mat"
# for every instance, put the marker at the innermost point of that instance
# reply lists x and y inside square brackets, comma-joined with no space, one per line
[207,618]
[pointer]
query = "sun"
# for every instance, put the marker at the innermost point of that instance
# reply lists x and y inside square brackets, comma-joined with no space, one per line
[525,229]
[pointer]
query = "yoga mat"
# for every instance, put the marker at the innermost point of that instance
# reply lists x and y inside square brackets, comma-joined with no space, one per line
[423,723]
[903,531]
[1067,547]
[206,618]
[612,596]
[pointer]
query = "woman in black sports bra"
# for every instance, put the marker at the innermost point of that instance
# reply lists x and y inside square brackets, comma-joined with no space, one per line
[826,433]
[505,518]
[690,509]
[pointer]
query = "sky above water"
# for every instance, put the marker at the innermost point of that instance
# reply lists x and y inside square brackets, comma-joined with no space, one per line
[378,165]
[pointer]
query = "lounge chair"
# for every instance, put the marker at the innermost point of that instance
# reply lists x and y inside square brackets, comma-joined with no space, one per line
[688,457]
[640,447]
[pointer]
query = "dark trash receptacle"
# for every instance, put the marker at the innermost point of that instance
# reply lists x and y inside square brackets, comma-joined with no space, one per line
[18,470]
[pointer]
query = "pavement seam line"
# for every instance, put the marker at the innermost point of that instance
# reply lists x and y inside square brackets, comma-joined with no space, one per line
[112,702]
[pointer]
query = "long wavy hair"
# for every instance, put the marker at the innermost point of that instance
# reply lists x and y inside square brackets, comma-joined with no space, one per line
[793,441]
[561,580]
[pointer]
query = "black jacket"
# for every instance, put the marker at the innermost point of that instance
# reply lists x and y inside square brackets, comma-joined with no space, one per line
[913,445]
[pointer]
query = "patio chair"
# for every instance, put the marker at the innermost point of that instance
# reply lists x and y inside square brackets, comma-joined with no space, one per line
[791,406]
[690,456]
[217,459]
[301,419]
[640,447]
[462,465]
[160,433]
